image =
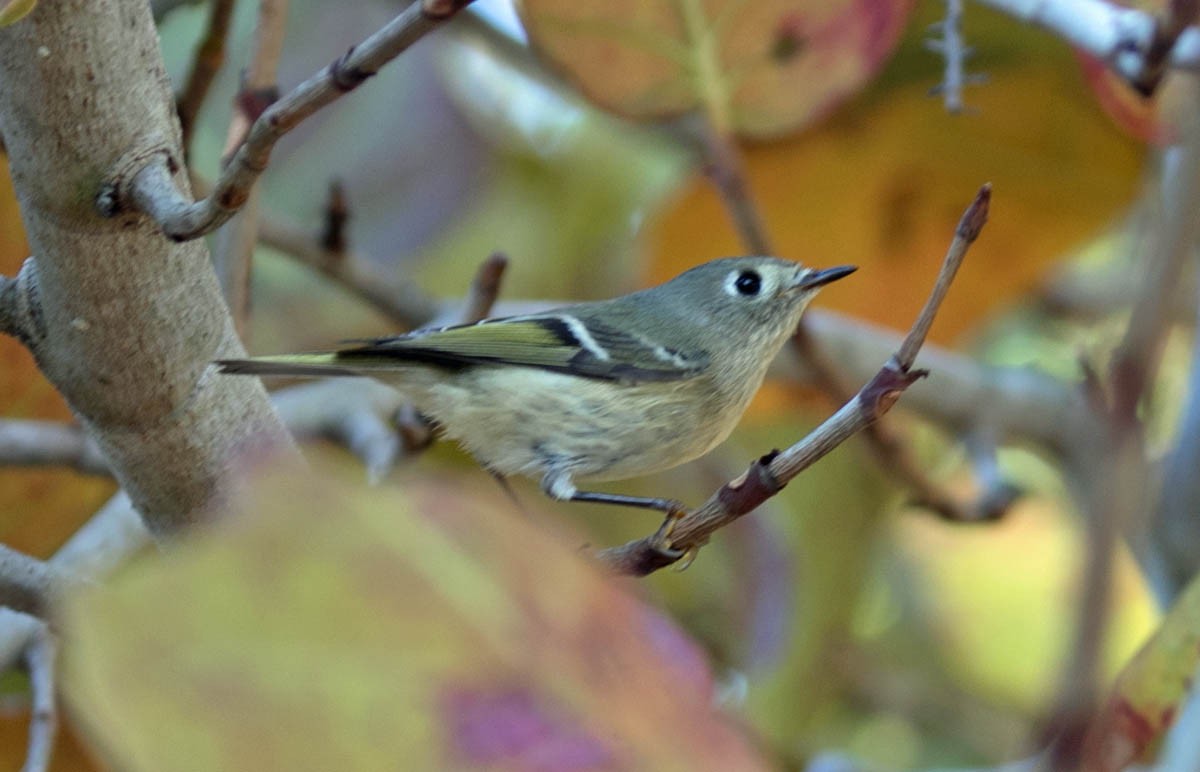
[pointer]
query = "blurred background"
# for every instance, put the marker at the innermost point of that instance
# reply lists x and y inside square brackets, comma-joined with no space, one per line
[840,616]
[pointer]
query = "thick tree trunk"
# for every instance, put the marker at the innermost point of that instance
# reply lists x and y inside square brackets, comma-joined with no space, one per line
[122,321]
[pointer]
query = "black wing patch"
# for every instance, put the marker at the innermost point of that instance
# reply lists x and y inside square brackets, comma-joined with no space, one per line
[553,342]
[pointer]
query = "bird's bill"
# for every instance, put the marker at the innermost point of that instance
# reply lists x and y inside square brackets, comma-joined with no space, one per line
[810,280]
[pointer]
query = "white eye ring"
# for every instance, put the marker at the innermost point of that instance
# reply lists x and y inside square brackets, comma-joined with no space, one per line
[745,283]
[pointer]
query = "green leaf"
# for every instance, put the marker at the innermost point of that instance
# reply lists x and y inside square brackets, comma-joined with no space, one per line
[339,627]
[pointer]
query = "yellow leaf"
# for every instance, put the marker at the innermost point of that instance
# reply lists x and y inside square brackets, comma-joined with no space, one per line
[883,183]
[339,627]
[1149,691]
[15,10]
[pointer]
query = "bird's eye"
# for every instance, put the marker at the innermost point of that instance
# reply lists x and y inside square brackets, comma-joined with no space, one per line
[748,283]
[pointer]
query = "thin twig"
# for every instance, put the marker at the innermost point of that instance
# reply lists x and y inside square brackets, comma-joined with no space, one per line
[26,583]
[723,164]
[355,412]
[1087,296]
[1019,403]
[952,49]
[374,421]
[769,474]
[43,719]
[106,541]
[401,300]
[485,288]
[955,52]
[1167,29]
[1136,359]
[206,63]
[1175,529]
[337,214]
[160,8]
[233,249]
[262,71]
[1109,472]
[1131,42]
[43,443]
[232,188]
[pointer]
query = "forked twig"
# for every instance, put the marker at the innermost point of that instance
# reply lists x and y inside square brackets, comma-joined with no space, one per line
[767,475]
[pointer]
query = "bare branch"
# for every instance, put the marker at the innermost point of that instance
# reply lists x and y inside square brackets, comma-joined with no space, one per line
[1133,43]
[337,214]
[955,53]
[484,289]
[190,221]
[43,720]
[233,248]
[392,296]
[723,165]
[1175,531]
[769,474]
[42,443]
[106,541]
[1108,469]
[1018,403]
[352,411]
[1136,359]
[374,421]
[162,8]
[892,453]
[26,583]
[206,63]
[1088,297]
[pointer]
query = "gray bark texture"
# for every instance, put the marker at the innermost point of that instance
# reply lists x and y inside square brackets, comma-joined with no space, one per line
[121,320]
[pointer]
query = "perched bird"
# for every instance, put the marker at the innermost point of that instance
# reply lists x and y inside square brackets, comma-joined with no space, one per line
[603,390]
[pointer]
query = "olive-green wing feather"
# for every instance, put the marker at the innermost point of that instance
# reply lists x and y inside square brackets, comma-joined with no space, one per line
[557,342]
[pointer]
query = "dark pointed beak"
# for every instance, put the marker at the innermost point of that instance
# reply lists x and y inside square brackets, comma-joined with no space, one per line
[814,279]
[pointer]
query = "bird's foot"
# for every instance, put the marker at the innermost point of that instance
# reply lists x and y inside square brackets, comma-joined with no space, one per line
[660,542]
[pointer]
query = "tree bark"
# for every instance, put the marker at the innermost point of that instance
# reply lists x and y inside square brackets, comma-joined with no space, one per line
[121,320]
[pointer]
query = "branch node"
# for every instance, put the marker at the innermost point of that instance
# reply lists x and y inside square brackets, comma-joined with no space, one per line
[439,10]
[253,102]
[345,76]
[752,487]
[119,190]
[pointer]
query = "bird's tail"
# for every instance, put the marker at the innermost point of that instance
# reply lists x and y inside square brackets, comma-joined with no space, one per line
[308,365]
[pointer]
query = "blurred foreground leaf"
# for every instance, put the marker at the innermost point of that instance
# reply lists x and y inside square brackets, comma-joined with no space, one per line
[345,628]
[755,69]
[1151,689]
[15,10]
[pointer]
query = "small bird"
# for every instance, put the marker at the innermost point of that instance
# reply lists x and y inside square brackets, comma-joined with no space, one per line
[603,390]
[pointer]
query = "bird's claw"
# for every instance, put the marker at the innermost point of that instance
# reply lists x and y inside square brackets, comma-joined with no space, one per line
[660,542]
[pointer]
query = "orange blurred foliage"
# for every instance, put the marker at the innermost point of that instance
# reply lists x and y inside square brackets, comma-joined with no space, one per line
[883,183]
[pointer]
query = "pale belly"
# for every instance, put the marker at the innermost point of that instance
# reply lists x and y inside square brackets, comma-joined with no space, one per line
[529,422]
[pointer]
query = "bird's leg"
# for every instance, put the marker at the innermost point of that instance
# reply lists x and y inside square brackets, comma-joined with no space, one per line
[558,485]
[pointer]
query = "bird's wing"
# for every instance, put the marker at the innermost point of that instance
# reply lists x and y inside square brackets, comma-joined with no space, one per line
[559,342]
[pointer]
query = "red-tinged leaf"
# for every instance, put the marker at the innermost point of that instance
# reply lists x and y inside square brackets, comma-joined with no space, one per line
[757,69]
[1150,690]
[1153,119]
